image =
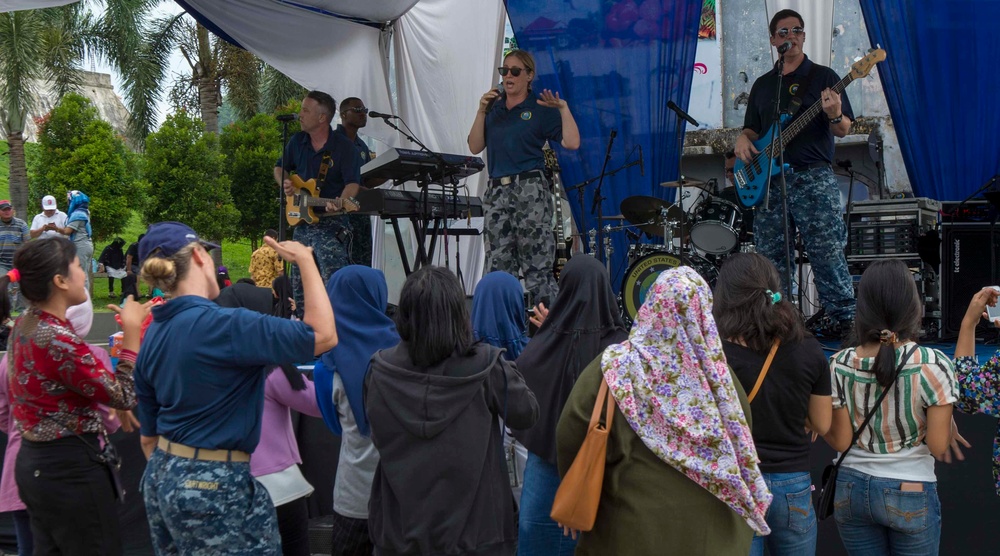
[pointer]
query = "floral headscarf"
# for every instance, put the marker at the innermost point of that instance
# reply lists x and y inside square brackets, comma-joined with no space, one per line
[672,383]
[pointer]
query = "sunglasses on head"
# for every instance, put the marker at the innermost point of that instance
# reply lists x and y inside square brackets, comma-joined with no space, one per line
[357,110]
[795,31]
[513,71]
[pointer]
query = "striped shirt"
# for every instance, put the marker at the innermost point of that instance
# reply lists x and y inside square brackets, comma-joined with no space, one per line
[927,379]
[12,235]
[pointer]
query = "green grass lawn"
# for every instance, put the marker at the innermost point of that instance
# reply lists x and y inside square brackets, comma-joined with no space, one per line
[235,255]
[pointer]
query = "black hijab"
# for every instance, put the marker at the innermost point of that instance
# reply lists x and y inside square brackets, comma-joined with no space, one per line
[282,287]
[259,300]
[583,321]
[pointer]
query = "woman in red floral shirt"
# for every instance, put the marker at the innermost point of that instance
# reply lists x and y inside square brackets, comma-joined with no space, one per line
[55,385]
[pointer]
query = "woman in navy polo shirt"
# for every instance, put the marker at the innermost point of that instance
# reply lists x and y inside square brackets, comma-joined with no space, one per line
[200,385]
[518,203]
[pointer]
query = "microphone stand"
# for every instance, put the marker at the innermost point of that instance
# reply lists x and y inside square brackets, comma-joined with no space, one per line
[282,223]
[681,115]
[784,185]
[580,190]
[599,199]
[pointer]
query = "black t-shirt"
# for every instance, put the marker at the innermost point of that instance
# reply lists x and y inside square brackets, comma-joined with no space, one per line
[133,250]
[780,409]
[815,142]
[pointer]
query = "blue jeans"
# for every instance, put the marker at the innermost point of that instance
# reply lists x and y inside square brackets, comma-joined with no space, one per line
[875,517]
[790,517]
[537,534]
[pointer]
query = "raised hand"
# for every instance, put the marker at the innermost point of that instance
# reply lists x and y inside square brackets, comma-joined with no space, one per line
[551,100]
[133,313]
[291,251]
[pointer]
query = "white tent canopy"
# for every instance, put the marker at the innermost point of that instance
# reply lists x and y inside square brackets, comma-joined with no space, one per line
[429,64]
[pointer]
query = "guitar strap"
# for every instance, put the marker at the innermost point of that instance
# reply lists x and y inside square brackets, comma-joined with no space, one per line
[324,167]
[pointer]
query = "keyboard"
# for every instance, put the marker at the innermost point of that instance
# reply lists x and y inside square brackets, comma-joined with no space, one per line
[396,203]
[401,165]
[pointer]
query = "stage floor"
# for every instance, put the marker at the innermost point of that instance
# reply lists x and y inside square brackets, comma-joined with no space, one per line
[983,350]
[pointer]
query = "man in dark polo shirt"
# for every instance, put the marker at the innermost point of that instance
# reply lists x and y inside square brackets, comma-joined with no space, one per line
[518,203]
[317,152]
[353,117]
[813,196]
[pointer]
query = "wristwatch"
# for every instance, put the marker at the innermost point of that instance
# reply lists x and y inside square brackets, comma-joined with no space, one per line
[838,119]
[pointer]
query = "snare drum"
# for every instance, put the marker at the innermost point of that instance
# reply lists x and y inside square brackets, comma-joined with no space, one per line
[717,226]
[643,273]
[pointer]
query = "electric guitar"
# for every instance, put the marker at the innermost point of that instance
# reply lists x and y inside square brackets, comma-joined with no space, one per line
[751,178]
[299,205]
[562,245]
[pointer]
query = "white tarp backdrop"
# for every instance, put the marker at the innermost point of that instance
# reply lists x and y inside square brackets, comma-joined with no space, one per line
[438,57]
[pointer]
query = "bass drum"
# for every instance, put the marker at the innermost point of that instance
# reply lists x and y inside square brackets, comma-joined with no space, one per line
[643,273]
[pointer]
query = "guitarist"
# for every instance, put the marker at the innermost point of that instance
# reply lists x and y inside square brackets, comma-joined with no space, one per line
[331,158]
[813,195]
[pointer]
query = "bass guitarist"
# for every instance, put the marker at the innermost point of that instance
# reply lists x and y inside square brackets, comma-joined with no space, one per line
[813,196]
[331,159]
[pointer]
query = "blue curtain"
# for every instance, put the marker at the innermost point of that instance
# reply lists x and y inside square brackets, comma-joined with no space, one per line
[941,80]
[617,67]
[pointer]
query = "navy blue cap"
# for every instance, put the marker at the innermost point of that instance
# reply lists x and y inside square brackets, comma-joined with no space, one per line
[164,239]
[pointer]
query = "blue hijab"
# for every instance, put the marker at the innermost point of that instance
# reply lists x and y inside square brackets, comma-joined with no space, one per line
[359,297]
[498,316]
[79,209]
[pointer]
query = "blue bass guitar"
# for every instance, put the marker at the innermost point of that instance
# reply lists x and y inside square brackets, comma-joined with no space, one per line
[751,178]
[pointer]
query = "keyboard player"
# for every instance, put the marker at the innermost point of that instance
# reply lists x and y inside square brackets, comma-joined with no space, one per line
[514,123]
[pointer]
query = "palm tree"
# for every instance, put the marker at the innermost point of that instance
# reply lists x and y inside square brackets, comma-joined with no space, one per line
[52,44]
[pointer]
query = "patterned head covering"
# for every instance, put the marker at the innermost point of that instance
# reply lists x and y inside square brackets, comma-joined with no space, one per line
[672,383]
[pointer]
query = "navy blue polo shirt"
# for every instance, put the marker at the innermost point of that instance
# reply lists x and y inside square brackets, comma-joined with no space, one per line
[815,142]
[345,165]
[363,151]
[515,137]
[200,374]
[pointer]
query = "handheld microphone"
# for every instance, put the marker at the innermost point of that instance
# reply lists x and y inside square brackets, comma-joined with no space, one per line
[784,47]
[500,94]
[375,114]
[287,117]
[642,167]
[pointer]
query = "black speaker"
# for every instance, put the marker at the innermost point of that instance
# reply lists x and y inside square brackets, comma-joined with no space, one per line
[965,269]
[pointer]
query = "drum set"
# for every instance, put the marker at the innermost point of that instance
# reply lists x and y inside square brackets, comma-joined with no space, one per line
[701,237]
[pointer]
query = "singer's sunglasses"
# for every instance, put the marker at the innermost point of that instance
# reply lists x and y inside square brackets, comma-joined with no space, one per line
[513,71]
[357,110]
[783,32]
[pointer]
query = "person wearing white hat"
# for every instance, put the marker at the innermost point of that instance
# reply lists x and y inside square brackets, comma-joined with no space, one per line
[50,222]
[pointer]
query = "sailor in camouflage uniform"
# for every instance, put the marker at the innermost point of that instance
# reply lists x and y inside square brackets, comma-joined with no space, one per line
[517,205]
[813,196]
[199,380]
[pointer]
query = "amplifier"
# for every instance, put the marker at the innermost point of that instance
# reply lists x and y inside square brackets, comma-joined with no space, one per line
[965,269]
[928,285]
[890,226]
[976,211]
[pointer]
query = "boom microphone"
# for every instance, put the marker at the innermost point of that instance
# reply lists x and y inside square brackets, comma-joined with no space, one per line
[784,47]
[287,117]
[374,114]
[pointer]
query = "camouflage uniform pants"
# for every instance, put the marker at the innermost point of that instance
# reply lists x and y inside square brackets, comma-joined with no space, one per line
[361,244]
[331,254]
[207,508]
[518,226]
[814,210]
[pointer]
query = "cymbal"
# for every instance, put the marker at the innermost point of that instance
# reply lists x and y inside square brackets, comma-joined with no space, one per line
[646,213]
[685,183]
